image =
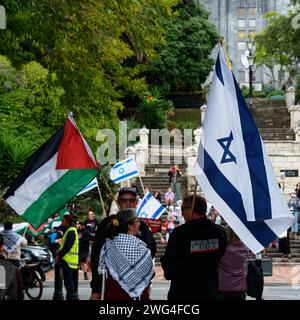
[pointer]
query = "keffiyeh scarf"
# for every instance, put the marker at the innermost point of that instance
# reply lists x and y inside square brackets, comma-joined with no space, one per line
[10,240]
[129,262]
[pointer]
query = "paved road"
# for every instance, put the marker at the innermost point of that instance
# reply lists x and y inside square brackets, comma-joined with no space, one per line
[160,290]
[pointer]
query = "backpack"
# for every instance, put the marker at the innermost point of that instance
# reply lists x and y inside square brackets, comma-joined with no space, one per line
[255,280]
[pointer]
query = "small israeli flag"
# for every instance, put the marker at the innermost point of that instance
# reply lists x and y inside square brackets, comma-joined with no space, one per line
[150,208]
[124,170]
[93,184]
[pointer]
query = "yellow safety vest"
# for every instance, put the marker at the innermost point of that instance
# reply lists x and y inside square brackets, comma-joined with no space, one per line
[71,257]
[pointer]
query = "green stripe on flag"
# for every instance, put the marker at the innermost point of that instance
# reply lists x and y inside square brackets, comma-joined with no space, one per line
[58,194]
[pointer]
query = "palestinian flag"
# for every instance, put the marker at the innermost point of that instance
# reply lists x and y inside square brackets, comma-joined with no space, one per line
[53,175]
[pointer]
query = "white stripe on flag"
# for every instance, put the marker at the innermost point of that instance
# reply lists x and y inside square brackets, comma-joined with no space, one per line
[124,170]
[150,208]
[35,185]
[233,169]
[93,184]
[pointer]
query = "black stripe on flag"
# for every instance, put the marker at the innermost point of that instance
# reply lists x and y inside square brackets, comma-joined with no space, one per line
[37,160]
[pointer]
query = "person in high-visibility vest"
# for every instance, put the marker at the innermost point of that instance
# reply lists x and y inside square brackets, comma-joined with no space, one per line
[68,257]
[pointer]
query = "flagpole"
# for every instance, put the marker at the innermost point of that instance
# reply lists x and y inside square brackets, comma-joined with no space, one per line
[101,200]
[24,233]
[142,184]
[110,191]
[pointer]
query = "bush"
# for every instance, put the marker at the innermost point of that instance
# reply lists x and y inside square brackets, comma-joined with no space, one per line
[13,156]
[154,109]
[276,93]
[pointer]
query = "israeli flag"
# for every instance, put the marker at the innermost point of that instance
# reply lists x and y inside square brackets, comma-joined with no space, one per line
[124,170]
[233,168]
[150,208]
[93,184]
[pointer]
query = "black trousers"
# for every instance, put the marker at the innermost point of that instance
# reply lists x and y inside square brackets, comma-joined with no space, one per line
[70,281]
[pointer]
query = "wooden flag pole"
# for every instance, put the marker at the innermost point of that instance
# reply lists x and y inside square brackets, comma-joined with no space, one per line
[24,233]
[142,184]
[101,200]
[110,191]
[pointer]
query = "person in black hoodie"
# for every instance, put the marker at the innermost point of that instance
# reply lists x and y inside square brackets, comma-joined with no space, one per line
[191,260]
[127,198]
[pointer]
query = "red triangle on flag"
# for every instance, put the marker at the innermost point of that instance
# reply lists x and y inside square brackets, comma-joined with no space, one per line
[72,152]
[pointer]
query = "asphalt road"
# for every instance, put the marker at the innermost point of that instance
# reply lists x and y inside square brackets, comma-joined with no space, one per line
[160,290]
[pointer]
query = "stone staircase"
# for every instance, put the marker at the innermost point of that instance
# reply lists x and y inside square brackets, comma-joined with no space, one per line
[273,121]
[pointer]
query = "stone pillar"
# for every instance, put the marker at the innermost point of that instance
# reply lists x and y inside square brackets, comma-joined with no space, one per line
[197,134]
[203,111]
[290,97]
[295,116]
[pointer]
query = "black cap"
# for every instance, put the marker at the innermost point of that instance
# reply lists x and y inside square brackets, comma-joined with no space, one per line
[127,190]
[7,225]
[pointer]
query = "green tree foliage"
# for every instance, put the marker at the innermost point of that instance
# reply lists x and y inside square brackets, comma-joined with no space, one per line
[13,155]
[95,49]
[154,109]
[30,107]
[185,56]
[278,44]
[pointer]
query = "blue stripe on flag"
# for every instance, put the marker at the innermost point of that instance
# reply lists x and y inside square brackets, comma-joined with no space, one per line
[149,195]
[219,70]
[125,176]
[233,199]
[117,165]
[255,160]
[89,186]
[158,212]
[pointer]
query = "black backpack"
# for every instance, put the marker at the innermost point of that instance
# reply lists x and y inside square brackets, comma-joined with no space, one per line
[255,279]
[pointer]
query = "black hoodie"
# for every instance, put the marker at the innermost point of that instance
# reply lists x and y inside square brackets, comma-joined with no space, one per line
[191,260]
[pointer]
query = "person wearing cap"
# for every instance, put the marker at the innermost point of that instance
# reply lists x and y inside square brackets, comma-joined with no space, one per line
[12,243]
[127,198]
[125,261]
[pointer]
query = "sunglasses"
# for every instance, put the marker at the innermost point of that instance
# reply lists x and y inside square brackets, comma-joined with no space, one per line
[129,201]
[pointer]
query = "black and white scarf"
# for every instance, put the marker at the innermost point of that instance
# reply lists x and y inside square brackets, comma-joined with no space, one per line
[11,240]
[129,262]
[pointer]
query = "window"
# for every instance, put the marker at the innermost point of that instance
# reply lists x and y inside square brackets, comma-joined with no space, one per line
[242,23]
[241,45]
[242,12]
[252,23]
[252,12]
[241,35]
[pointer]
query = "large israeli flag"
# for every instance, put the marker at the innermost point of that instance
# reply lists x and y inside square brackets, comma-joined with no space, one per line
[124,170]
[233,169]
[150,208]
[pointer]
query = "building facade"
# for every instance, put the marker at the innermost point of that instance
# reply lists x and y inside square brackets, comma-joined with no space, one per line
[238,20]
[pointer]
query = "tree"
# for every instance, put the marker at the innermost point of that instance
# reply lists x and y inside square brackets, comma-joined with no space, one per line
[185,56]
[278,43]
[94,50]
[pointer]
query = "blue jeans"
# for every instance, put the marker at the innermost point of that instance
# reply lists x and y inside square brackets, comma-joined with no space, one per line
[295,226]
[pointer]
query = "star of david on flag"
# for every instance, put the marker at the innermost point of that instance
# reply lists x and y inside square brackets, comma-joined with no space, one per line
[124,170]
[232,166]
[150,208]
